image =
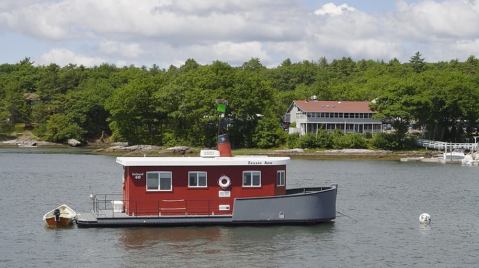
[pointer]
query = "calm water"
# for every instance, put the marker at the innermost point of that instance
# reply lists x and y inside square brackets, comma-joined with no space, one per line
[380,200]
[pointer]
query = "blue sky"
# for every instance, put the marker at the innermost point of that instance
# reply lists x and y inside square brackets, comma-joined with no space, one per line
[165,32]
[15,46]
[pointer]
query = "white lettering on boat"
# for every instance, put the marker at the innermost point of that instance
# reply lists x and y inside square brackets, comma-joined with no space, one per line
[137,176]
[260,162]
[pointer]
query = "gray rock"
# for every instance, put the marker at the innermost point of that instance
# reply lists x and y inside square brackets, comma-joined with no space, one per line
[295,150]
[73,142]
[179,149]
[11,142]
[117,148]
[27,144]
[124,144]
[142,147]
[356,151]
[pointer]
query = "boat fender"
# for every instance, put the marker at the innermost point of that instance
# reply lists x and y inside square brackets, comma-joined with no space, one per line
[425,218]
[224,182]
[56,213]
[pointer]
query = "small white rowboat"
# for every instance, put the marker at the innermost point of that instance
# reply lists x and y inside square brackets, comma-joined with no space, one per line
[60,216]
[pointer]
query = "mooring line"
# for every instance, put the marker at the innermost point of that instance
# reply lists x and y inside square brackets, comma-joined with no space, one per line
[340,213]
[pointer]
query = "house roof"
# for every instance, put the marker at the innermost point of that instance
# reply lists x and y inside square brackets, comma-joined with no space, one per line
[333,106]
[202,161]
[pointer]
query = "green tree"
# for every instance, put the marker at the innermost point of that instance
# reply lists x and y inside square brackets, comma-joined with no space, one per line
[418,64]
[5,123]
[60,128]
[396,106]
[136,114]
[268,133]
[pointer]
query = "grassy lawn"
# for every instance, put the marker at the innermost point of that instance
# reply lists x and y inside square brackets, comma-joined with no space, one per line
[19,128]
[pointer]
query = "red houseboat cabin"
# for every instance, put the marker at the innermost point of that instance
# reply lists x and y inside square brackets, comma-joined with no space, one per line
[169,186]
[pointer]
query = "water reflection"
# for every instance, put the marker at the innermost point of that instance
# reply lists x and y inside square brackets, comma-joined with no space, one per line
[148,236]
[221,246]
[425,228]
[137,238]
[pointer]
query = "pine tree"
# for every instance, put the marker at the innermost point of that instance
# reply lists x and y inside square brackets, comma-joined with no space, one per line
[417,63]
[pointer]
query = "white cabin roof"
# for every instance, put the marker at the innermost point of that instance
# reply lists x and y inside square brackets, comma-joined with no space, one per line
[202,161]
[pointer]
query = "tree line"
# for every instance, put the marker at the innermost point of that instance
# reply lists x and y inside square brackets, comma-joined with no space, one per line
[150,105]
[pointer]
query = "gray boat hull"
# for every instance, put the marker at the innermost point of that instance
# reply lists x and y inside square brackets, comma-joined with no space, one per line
[297,206]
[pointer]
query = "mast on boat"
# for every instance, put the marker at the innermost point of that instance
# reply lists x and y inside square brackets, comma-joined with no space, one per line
[223,143]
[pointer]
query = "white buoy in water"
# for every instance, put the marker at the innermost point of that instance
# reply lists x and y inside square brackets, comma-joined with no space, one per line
[424,218]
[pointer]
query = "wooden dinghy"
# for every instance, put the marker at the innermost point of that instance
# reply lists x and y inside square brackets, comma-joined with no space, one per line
[60,216]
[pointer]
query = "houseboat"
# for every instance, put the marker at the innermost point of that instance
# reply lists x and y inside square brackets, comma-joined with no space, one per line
[214,188]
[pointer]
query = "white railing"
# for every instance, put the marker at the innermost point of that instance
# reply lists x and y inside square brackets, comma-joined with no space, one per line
[301,116]
[441,145]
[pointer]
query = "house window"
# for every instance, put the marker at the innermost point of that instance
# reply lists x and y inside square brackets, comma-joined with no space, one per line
[158,181]
[251,178]
[280,178]
[197,179]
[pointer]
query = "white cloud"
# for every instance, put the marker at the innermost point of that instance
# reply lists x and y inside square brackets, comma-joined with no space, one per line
[168,32]
[438,19]
[63,57]
[333,10]
[469,46]
[237,51]
[169,21]
[127,50]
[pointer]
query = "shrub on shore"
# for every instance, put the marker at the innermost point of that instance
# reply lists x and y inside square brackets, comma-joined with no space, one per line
[268,133]
[349,141]
[327,140]
[292,140]
[338,140]
[392,141]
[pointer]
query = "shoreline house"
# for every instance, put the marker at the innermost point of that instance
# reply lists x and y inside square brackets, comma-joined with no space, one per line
[309,116]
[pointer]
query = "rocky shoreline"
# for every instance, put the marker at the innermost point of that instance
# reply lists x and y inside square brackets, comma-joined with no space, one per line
[123,149]
[28,143]
[142,149]
[298,153]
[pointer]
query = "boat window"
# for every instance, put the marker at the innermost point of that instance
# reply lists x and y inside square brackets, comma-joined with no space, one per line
[251,178]
[158,181]
[280,178]
[197,179]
